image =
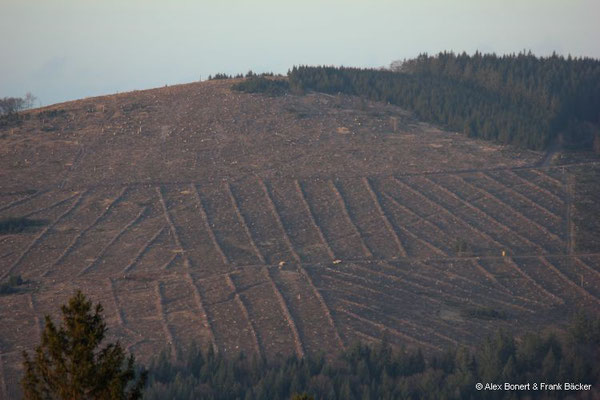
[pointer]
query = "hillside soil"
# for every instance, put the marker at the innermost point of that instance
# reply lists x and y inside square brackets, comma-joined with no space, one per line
[285,225]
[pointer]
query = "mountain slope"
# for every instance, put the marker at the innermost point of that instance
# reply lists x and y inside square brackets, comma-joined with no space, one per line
[283,225]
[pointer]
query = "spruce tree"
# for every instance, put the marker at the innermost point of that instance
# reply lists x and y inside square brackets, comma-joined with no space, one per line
[69,363]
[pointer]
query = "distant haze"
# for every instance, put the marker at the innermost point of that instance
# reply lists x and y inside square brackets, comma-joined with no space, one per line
[68,49]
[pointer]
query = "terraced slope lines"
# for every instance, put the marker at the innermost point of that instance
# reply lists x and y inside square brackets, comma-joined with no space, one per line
[251,224]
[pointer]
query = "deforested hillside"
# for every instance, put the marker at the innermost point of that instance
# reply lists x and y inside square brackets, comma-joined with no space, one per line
[284,225]
[207,132]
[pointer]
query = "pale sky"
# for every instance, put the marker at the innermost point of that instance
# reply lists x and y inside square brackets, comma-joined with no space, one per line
[67,49]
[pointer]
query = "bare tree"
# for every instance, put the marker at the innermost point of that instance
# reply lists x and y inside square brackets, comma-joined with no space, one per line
[29,100]
[11,105]
[396,66]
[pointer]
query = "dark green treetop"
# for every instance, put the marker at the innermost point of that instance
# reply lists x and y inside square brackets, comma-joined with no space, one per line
[69,363]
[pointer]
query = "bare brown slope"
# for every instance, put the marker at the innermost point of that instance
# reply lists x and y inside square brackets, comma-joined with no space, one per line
[204,132]
[286,225]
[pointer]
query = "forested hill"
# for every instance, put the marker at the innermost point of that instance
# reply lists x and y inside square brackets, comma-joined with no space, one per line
[519,99]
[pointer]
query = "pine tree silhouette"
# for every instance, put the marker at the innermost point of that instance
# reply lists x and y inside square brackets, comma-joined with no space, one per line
[69,364]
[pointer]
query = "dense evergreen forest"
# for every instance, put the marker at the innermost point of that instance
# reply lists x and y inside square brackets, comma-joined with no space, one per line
[377,372]
[260,84]
[528,101]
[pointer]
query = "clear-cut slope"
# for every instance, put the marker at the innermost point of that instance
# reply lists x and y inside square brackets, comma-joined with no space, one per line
[285,225]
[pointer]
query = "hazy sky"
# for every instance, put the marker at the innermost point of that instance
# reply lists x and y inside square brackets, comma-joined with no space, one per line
[68,49]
